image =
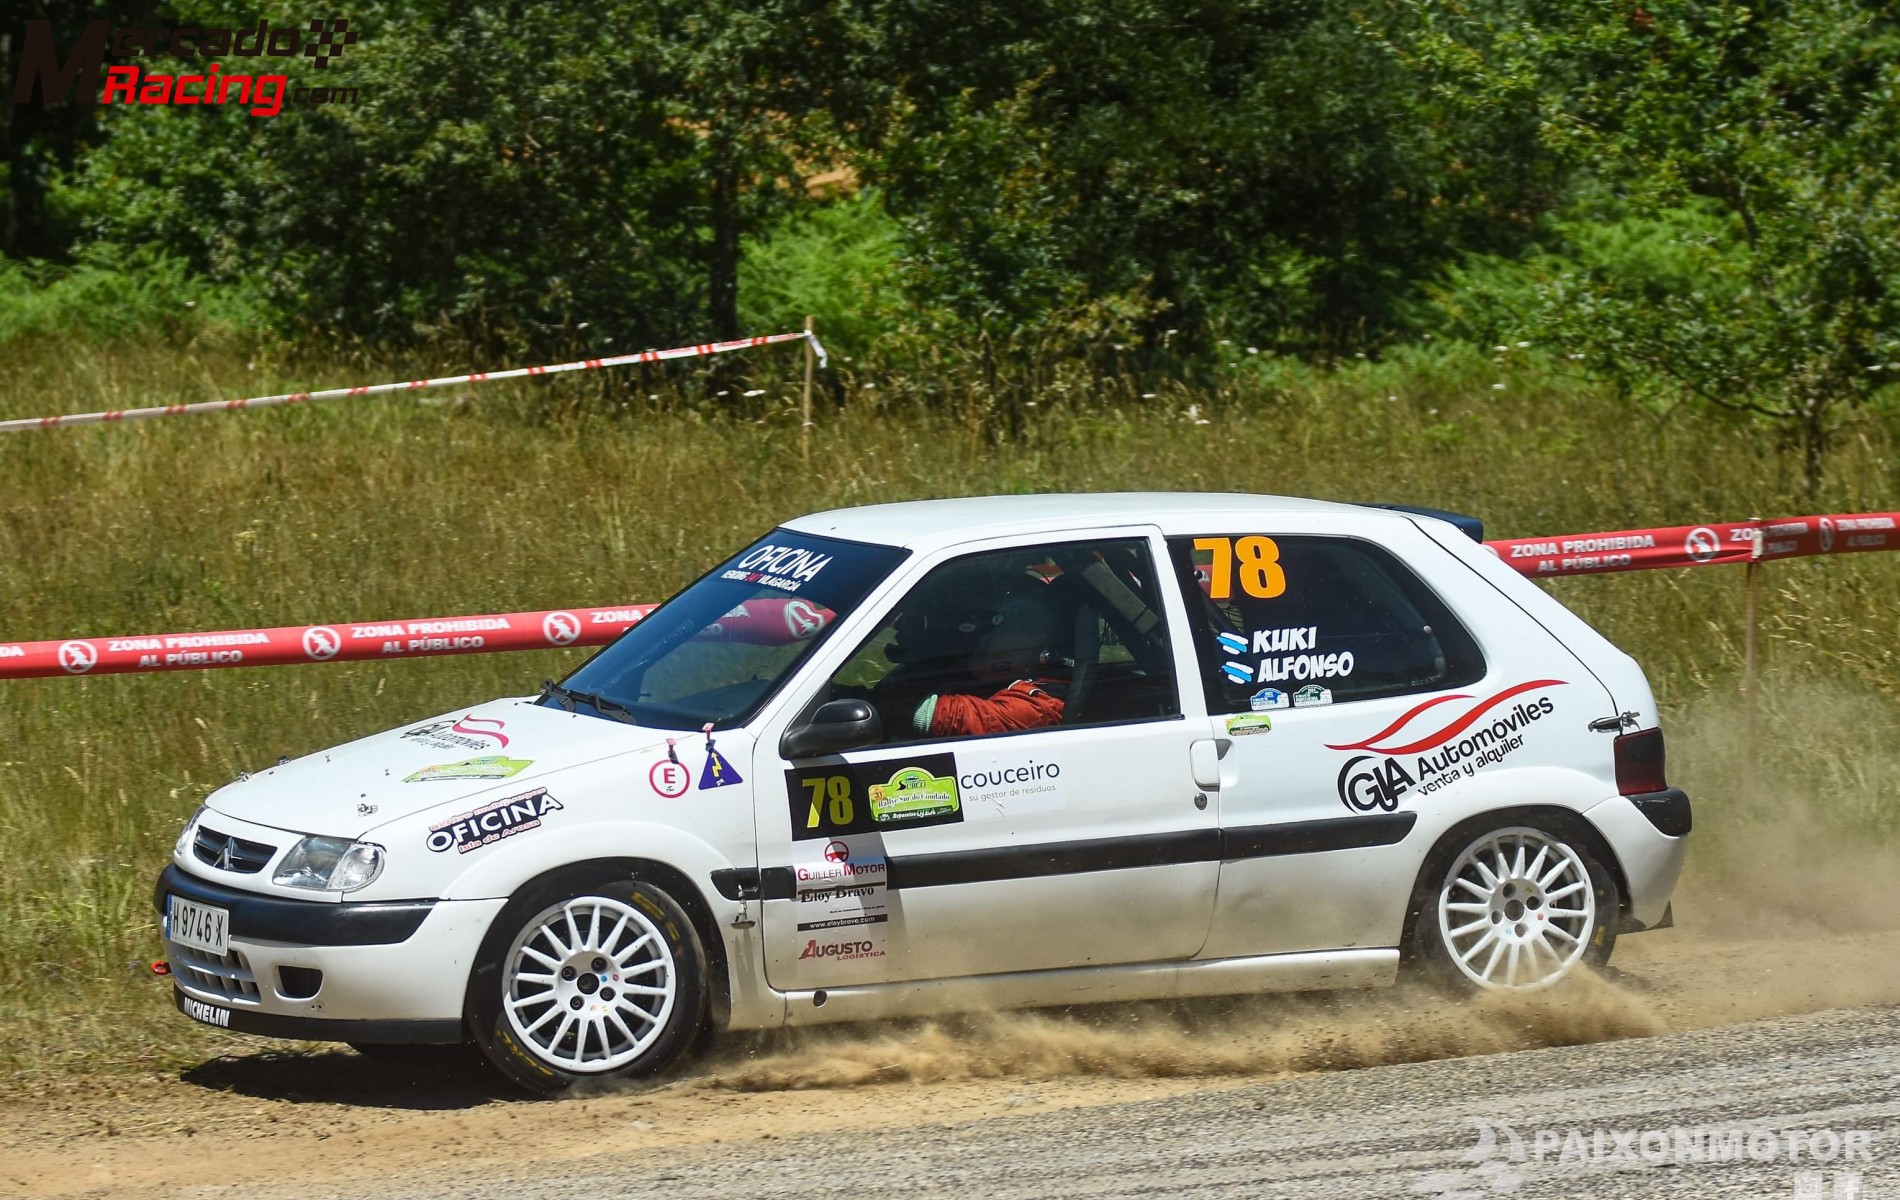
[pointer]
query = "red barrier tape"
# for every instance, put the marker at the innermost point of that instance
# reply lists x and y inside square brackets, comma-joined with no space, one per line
[290,644]
[1699,545]
[1547,557]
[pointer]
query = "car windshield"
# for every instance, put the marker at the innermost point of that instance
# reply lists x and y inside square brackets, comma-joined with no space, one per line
[713,653]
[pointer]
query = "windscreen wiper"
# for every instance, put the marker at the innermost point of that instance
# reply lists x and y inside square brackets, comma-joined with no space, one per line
[602,705]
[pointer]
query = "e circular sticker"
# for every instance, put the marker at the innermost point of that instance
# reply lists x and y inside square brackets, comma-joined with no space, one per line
[670,779]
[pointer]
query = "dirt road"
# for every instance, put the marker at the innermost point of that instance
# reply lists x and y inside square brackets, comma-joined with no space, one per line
[1132,1090]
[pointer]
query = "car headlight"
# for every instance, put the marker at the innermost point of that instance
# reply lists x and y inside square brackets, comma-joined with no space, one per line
[184,835]
[328,864]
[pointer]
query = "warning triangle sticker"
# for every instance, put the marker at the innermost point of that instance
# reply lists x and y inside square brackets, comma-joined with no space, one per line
[718,772]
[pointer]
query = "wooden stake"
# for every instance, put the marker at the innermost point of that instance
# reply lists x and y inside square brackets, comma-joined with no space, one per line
[811,360]
[1751,669]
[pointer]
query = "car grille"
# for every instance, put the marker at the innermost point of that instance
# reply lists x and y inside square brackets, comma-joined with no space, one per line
[245,858]
[228,978]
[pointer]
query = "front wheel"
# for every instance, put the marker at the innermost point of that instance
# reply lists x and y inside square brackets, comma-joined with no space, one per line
[1516,909]
[606,981]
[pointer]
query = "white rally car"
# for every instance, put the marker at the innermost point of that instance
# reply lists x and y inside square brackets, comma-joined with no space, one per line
[907,758]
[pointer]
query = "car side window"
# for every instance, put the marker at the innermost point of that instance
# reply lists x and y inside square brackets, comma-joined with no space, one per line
[1068,633]
[1300,620]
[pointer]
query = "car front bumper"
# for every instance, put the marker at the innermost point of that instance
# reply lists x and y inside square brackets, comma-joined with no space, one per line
[393,971]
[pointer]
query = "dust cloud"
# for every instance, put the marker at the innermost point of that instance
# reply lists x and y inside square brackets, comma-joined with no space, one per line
[1248,1036]
[1786,906]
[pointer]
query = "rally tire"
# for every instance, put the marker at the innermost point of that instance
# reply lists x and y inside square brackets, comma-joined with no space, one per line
[582,983]
[1514,905]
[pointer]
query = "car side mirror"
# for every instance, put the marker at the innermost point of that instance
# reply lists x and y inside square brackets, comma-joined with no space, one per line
[837,726]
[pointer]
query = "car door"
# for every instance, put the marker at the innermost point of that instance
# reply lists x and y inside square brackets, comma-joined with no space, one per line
[1354,702]
[1075,839]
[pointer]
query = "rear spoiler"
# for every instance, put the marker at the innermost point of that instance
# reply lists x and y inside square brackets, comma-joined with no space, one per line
[1471,527]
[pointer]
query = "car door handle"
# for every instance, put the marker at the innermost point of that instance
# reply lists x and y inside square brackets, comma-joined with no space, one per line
[1204,761]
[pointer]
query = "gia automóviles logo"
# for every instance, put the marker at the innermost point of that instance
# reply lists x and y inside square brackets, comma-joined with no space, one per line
[1462,741]
[255,81]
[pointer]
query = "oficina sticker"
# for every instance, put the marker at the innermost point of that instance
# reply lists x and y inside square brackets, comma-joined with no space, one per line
[492,823]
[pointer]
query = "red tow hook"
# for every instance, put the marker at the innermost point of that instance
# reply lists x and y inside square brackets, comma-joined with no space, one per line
[161,967]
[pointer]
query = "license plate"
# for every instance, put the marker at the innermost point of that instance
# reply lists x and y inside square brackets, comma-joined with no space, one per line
[199,926]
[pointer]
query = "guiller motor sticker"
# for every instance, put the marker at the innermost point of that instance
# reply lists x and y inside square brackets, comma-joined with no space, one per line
[1445,739]
[842,898]
[492,822]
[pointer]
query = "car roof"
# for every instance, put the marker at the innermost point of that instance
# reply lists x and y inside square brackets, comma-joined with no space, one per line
[925,524]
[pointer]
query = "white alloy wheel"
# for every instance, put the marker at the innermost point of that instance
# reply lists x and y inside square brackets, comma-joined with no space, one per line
[1517,910]
[590,984]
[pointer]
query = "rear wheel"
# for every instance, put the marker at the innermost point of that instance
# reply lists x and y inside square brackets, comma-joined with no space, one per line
[1516,909]
[598,982]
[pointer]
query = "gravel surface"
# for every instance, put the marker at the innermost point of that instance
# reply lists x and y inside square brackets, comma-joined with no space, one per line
[1403,1130]
[1351,1094]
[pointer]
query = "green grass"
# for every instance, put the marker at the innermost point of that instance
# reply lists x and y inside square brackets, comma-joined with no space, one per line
[572,492]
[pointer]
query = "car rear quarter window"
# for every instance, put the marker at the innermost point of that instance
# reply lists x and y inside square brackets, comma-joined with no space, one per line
[1282,620]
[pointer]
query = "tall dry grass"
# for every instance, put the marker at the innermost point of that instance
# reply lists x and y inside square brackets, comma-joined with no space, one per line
[571,492]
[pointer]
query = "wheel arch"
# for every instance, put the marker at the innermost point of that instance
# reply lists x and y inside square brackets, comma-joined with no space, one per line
[670,879]
[1566,821]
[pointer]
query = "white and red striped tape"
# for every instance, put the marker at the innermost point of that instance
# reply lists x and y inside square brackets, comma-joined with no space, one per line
[414,385]
[338,642]
[789,620]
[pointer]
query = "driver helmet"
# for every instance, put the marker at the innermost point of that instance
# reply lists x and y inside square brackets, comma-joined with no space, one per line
[1000,625]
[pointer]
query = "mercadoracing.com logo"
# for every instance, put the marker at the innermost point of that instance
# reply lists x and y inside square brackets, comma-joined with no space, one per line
[262,93]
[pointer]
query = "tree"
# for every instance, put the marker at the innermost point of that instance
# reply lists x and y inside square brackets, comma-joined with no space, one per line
[511,169]
[1735,235]
[38,140]
[760,92]
[1264,170]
